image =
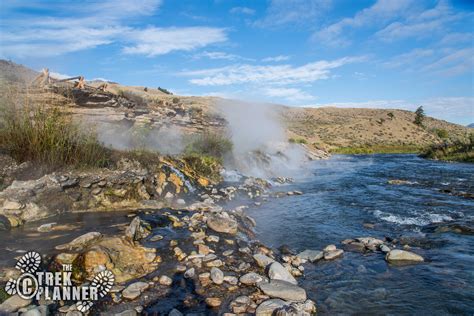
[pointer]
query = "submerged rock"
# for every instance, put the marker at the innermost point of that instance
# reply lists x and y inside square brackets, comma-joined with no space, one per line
[266,308]
[283,290]
[13,303]
[81,242]
[330,255]
[311,255]
[134,290]
[403,256]
[217,276]
[251,278]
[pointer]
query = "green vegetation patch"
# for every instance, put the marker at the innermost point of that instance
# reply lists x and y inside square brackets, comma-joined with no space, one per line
[47,136]
[376,149]
[298,140]
[459,150]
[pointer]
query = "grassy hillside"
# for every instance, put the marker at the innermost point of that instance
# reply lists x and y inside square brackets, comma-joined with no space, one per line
[346,130]
[339,130]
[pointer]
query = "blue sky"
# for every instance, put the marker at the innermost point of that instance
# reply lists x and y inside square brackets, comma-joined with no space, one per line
[377,53]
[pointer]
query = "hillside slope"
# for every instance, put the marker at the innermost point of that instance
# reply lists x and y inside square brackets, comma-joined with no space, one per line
[325,128]
[331,127]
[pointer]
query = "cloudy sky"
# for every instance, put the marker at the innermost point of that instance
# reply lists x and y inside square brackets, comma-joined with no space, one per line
[364,53]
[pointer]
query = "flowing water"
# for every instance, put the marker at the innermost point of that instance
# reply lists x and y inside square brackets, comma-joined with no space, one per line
[346,192]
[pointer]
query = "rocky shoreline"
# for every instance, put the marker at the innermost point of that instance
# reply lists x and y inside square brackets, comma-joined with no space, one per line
[184,250]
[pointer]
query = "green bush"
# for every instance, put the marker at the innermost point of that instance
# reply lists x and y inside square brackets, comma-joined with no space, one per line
[209,144]
[204,166]
[47,136]
[442,133]
[164,90]
[458,150]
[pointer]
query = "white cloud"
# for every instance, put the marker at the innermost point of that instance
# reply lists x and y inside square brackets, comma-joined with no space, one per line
[97,24]
[242,10]
[409,58]
[276,58]
[453,109]
[281,12]
[454,63]
[276,74]
[290,94]
[158,41]
[220,55]
[381,11]
[421,25]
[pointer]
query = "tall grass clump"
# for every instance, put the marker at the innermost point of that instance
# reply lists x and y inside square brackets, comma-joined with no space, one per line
[209,144]
[205,154]
[46,135]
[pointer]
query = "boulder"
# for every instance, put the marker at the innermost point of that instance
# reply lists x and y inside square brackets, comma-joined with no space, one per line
[13,303]
[251,278]
[284,290]
[266,308]
[138,229]
[262,260]
[222,223]
[311,255]
[217,276]
[81,242]
[278,272]
[403,256]
[213,301]
[134,290]
[125,260]
[330,255]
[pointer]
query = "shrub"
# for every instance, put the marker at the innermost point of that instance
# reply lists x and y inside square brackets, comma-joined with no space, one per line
[209,144]
[47,136]
[298,140]
[175,100]
[204,166]
[391,115]
[442,133]
[164,90]
[458,150]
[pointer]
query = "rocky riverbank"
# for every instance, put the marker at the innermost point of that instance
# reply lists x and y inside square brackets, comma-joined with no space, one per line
[187,246]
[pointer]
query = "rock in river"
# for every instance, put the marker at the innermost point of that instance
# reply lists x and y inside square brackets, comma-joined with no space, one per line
[267,307]
[134,290]
[283,290]
[263,260]
[403,256]
[311,255]
[222,223]
[12,304]
[278,272]
[251,278]
[217,276]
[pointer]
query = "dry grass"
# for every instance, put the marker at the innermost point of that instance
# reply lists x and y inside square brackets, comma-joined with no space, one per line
[45,135]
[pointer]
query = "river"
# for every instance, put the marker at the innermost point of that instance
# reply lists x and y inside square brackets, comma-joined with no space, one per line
[344,193]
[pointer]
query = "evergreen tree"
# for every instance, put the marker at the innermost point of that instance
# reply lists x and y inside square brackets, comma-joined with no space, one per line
[419,116]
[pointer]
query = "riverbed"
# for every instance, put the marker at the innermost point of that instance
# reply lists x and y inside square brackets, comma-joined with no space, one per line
[344,193]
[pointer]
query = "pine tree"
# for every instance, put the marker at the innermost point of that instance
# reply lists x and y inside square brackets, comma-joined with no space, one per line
[419,116]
